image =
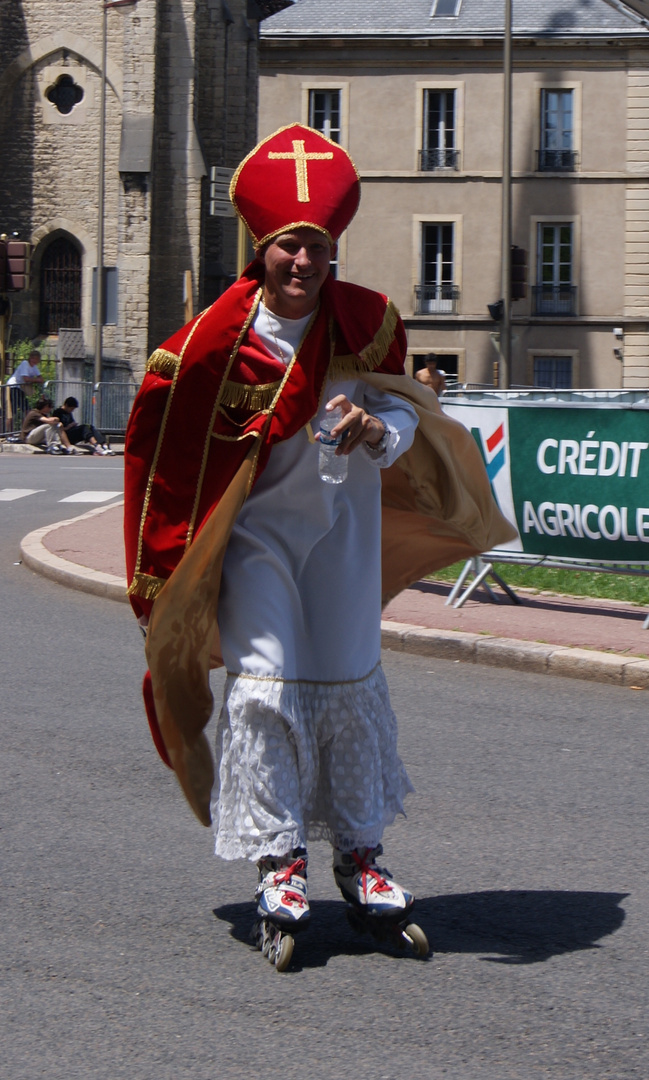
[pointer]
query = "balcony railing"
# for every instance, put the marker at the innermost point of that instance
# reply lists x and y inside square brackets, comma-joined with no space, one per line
[436,299]
[556,160]
[554,299]
[441,158]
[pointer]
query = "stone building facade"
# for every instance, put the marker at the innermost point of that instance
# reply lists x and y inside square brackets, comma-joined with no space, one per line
[181,98]
[415,92]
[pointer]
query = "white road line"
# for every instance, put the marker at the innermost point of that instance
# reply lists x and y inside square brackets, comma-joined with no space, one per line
[9,494]
[91,496]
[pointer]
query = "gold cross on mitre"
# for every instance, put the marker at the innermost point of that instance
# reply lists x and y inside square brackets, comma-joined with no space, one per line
[300,157]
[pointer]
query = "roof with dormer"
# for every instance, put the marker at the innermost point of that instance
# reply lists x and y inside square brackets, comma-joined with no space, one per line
[475,18]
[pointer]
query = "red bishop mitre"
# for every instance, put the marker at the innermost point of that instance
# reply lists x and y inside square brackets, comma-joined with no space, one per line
[296,178]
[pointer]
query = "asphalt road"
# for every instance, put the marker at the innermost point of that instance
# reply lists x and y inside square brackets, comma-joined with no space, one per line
[124,948]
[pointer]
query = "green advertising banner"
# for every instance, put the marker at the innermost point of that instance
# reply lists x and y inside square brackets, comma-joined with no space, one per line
[573,479]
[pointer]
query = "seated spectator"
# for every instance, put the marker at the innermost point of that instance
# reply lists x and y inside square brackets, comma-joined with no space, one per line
[40,428]
[431,375]
[81,433]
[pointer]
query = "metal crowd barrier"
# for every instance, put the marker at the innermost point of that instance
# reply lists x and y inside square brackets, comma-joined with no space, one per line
[11,409]
[476,392]
[516,441]
[481,567]
[112,404]
[107,405]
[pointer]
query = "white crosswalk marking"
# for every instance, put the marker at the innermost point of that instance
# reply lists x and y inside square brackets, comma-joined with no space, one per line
[9,494]
[91,496]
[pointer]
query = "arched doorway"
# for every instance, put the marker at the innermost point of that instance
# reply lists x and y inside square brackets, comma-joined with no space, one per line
[60,286]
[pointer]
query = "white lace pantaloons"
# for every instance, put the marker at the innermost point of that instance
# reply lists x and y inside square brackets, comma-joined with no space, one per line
[300,761]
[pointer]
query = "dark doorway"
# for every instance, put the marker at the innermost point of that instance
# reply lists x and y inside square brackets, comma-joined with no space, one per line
[60,282]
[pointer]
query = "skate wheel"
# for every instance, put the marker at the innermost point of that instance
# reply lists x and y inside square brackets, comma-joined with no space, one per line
[266,944]
[284,952]
[416,937]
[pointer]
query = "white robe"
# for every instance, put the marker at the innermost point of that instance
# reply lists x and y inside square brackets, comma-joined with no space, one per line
[306,739]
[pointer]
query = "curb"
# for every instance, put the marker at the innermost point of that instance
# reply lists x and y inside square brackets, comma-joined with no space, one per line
[614,669]
[631,671]
[42,561]
[25,448]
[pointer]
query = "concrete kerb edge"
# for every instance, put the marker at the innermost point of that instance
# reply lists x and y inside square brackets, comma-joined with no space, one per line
[632,671]
[42,561]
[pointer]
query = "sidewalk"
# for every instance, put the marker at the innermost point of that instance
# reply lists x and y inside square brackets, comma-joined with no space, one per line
[558,635]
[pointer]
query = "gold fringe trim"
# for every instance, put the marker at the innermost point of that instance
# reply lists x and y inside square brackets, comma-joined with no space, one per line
[245,396]
[342,365]
[146,586]
[162,362]
[373,354]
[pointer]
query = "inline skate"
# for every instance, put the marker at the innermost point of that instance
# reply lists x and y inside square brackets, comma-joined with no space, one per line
[376,904]
[282,905]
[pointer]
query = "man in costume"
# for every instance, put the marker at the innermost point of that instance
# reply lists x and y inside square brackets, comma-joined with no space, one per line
[238,553]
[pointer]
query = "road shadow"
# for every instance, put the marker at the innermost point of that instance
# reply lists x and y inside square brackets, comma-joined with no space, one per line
[517,927]
[571,604]
[520,927]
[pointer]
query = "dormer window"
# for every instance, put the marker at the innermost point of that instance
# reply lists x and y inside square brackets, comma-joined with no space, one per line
[445,9]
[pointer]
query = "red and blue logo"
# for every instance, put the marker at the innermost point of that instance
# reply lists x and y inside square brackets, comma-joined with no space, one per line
[493,449]
[495,458]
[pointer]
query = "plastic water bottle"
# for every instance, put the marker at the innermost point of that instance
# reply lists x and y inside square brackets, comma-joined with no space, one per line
[332,467]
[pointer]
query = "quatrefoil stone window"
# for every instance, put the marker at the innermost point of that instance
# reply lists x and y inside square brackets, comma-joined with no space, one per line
[65,94]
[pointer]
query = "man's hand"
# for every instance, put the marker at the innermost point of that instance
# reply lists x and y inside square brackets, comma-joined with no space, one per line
[356,426]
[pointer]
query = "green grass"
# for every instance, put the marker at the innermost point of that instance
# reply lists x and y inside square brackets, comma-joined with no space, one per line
[625,587]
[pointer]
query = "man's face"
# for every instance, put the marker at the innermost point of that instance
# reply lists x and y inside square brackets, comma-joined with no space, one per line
[33,360]
[297,264]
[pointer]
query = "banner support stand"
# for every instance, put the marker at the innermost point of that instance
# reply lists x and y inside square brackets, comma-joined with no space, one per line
[482,571]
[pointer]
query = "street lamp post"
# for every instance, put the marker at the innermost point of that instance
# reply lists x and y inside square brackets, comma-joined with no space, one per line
[99,281]
[504,371]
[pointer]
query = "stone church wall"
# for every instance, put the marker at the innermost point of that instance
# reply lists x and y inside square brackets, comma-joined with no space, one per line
[191,69]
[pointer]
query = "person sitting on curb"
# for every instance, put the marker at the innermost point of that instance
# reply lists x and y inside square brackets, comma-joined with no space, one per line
[81,433]
[40,428]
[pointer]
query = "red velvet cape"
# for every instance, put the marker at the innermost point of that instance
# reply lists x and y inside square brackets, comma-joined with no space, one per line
[211,391]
